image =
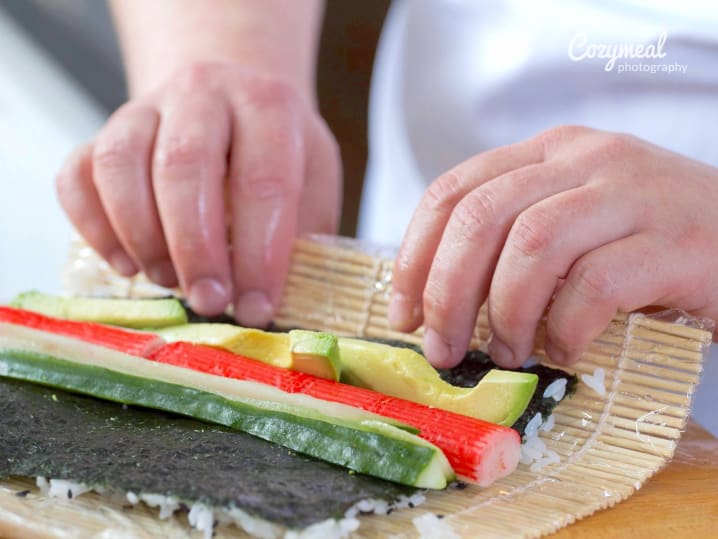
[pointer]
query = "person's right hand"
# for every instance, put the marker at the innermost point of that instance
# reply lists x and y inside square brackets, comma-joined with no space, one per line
[205,183]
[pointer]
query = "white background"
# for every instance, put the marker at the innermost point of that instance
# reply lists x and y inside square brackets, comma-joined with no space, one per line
[43,116]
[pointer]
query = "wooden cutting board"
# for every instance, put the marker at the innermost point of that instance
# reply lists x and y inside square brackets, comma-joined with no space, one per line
[680,501]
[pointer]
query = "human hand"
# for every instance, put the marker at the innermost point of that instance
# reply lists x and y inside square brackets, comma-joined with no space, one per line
[582,222]
[218,156]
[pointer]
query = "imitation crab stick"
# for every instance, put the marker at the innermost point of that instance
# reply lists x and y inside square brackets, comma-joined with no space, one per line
[137,343]
[477,450]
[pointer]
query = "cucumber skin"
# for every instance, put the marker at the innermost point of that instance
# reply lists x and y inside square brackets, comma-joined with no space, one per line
[129,313]
[360,450]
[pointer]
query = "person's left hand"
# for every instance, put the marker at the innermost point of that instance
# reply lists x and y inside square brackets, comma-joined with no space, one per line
[584,222]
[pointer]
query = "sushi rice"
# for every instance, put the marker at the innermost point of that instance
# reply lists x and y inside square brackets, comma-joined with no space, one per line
[596,381]
[556,389]
[534,452]
[204,518]
[430,526]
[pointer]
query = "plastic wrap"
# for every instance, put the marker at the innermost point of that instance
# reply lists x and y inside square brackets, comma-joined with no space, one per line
[620,427]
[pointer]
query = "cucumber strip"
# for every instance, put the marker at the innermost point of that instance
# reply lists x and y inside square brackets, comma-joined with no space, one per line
[131,313]
[367,446]
[431,474]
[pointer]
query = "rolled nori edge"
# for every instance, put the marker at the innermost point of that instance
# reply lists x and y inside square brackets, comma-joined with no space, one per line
[54,434]
[196,318]
[476,364]
[539,404]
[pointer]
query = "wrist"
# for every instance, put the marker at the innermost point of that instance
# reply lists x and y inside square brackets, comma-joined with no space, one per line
[148,74]
[278,38]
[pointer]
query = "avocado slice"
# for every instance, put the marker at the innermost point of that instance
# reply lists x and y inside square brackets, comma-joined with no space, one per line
[315,353]
[311,352]
[130,313]
[500,397]
[271,348]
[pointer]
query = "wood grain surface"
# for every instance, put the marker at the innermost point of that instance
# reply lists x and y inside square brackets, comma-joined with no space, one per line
[680,501]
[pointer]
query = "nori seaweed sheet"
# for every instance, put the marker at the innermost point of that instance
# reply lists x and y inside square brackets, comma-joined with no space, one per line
[51,433]
[476,364]
[538,403]
[196,318]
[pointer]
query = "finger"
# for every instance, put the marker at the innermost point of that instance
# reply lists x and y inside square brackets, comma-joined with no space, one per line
[321,198]
[267,169]
[424,233]
[189,170]
[460,274]
[78,197]
[544,242]
[121,169]
[621,276]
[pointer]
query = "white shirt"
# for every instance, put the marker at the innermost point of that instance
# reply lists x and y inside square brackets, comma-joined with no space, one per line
[455,77]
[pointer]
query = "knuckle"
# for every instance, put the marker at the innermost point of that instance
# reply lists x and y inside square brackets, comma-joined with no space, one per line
[532,234]
[562,333]
[269,187]
[186,247]
[476,213]
[271,92]
[505,320]
[615,145]
[116,150]
[592,283]
[403,264]
[178,152]
[196,75]
[551,138]
[125,138]
[443,192]
[434,301]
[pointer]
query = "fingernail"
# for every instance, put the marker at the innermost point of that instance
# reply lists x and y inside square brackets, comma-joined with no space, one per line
[122,263]
[254,309]
[208,297]
[401,312]
[500,353]
[437,351]
[163,273]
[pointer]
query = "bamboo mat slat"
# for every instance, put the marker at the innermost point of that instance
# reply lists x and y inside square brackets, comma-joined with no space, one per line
[608,444]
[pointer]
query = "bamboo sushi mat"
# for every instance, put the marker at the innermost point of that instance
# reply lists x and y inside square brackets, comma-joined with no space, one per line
[609,444]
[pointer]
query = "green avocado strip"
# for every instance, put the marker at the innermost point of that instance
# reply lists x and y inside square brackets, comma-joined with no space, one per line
[364,450]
